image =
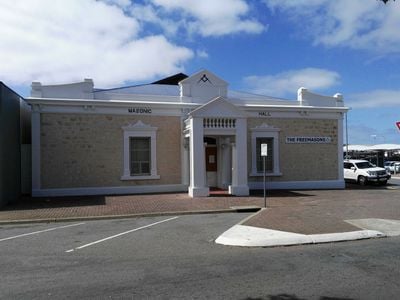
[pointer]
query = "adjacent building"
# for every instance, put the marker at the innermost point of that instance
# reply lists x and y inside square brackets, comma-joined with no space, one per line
[14,146]
[181,134]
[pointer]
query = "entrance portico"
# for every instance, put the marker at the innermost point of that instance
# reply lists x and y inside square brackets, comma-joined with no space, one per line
[224,121]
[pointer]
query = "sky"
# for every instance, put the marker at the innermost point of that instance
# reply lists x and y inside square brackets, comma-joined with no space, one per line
[268,47]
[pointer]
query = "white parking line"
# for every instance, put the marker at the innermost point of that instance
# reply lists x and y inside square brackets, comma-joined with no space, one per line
[41,231]
[119,234]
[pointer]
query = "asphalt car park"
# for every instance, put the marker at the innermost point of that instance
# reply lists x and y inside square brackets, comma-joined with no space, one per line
[46,260]
[79,236]
[176,258]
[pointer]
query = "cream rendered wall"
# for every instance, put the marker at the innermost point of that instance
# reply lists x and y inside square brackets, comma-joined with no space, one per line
[302,162]
[86,150]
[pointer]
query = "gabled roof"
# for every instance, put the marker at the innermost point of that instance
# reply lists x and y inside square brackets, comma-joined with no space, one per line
[144,89]
[218,107]
[204,76]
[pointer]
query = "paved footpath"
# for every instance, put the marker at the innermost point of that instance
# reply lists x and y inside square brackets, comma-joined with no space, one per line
[304,217]
[301,214]
[68,208]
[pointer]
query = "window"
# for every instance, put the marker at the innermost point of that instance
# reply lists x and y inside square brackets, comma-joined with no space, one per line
[140,161]
[347,165]
[265,134]
[140,153]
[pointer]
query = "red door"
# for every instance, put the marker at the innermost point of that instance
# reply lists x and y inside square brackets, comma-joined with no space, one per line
[211,159]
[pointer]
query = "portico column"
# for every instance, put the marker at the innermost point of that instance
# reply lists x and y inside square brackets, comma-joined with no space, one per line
[239,185]
[186,162]
[197,187]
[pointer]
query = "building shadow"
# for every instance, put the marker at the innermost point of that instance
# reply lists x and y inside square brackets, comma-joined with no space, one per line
[292,297]
[370,186]
[280,193]
[27,202]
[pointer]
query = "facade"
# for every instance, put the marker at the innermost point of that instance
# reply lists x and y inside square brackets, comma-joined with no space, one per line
[14,146]
[181,134]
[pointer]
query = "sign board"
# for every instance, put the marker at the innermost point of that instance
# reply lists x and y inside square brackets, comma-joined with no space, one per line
[308,140]
[398,125]
[264,149]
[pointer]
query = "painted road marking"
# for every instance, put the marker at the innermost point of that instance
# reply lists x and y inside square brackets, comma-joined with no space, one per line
[120,234]
[37,232]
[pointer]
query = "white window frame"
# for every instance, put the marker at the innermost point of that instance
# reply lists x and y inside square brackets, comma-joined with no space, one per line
[139,129]
[265,131]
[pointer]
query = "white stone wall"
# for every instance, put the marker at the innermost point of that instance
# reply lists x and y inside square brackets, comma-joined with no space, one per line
[86,150]
[302,162]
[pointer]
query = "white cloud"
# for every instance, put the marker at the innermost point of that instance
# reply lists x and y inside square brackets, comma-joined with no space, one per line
[212,18]
[120,3]
[288,82]
[150,14]
[358,24]
[201,54]
[375,99]
[61,41]
[112,41]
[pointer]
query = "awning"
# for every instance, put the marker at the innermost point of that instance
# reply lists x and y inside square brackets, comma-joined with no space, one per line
[382,147]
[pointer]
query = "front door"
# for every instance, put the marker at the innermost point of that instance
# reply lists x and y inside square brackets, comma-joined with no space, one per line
[211,166]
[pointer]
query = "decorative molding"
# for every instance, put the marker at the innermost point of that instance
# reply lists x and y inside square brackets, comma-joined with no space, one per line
[284,112]
[140,177]
[37,107]
[218,107]
[140,129]
[265,127]
[138,126]
[265,131]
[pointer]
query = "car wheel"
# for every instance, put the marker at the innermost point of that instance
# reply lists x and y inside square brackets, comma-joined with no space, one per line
[383,182]
[362,180]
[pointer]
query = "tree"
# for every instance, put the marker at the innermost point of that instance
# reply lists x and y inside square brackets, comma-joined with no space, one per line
[386,1]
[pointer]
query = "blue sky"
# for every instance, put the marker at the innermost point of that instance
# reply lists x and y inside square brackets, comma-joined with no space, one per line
[270,47]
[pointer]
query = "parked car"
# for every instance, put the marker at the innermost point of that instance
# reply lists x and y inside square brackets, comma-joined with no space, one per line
[392,166]
[362,171]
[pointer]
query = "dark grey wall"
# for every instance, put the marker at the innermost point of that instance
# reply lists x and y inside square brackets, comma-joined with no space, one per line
[10,145]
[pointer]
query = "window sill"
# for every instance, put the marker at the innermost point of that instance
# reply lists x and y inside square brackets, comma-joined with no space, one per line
[266,174]
[139,177]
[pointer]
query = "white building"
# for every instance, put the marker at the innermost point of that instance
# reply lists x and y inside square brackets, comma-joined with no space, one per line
[190,135]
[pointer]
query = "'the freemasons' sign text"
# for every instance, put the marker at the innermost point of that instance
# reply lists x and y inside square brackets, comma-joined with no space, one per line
[308,140]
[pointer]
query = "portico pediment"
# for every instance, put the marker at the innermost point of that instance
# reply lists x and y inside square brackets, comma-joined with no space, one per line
[203,86]
[218,107]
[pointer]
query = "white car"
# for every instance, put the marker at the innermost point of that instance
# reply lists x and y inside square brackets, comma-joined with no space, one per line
[392,166]
[362,171]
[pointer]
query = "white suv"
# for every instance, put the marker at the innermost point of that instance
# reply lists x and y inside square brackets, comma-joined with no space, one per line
[392,166]
[363,172]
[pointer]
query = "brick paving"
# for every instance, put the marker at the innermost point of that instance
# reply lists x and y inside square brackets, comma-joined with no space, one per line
[307,212]
[315,212]
[91,206]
